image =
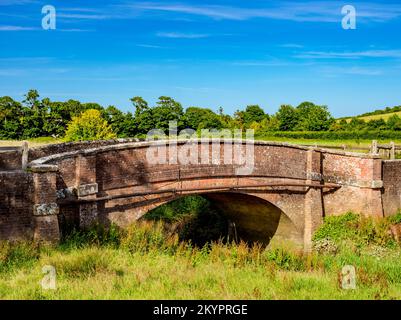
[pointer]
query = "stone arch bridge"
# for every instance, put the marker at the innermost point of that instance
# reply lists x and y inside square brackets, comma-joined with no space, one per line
[285,197]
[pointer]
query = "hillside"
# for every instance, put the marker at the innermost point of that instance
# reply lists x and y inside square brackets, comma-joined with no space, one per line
[377,114]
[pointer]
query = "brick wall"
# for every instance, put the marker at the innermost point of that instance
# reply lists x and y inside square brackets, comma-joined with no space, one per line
[391,186]
[10,159]
[16,221]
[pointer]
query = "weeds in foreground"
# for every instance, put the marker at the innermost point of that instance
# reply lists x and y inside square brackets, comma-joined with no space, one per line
[146,261]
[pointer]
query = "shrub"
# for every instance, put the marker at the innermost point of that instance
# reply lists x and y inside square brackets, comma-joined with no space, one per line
[89,126]
[352,227]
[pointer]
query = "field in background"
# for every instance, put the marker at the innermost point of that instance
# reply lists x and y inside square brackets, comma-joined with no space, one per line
[37,142]
[350,145]
[383,116]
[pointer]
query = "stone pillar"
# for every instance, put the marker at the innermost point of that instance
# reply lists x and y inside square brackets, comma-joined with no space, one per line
[87,188]
[374,149]
[392,150]
[313,197]
[25,152]
[45,208]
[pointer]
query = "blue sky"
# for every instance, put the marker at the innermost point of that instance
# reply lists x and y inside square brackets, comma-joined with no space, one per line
[205,53]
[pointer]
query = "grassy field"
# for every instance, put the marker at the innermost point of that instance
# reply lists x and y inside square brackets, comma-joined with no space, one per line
[145,263]
[349,144]
[37,142]
[384,116]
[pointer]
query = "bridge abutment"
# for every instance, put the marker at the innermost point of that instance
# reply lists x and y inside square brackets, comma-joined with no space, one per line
[45,207]
[87,188]
[314,210]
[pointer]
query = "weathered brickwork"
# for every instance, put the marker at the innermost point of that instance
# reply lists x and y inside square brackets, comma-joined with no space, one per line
[391,186]
[16,211]
[285,197]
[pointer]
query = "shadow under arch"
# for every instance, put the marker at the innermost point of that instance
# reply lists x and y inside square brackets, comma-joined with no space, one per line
[255,219]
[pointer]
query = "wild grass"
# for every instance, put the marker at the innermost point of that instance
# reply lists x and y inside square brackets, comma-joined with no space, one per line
[147,262]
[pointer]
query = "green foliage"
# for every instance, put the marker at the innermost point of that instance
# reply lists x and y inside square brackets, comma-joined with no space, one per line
[193,218]
[37,118]
[359,230]
[97,235]
[312,117]
[253,113]
[17,255]
[395,219]
[287,118]
[200,118]
[89,126]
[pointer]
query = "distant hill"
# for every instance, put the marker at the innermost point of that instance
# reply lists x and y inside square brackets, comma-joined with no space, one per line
[377,114]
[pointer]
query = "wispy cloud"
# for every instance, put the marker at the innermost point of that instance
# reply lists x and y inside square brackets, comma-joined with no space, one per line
[350,55]
[180,35]
[83,16]
[353,71]
[291,45]
[17,28]
[15,2]
[152,46]
[312,11]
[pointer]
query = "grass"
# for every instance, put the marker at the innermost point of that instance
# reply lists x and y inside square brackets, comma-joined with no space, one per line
[384,116]
[349,144]
[145,262]
[34,142]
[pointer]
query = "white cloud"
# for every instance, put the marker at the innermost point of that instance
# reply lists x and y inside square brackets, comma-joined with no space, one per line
[149,46]
[16,28]
[350,55]
[313,11]
[361,71]
[15,2]
[83,16]
[180,35]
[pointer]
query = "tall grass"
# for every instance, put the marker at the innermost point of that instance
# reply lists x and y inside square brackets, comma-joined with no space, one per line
[148,261]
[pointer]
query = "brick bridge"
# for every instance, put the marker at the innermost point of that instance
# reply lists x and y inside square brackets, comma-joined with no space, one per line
[285,197]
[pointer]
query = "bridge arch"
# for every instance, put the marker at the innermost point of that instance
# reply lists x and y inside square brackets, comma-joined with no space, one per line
[255,219]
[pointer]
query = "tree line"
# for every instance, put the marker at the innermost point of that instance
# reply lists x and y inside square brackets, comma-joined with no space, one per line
[35,117]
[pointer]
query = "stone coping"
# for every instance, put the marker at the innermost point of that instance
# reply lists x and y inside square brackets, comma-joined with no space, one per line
[122,144]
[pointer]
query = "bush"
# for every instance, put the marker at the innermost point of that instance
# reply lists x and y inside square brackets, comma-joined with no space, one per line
[352,227]
[89,126]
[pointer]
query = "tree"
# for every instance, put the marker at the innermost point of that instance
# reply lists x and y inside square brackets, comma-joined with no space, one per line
[356,124]
[253,113]
[341,125]
[200,118]
[32,99]
[10,113]
[116,119]
[89,126]
[394,123]
[166,110]
[143,121]
[312,117]
[140,105]
[376,124]
[287,118]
